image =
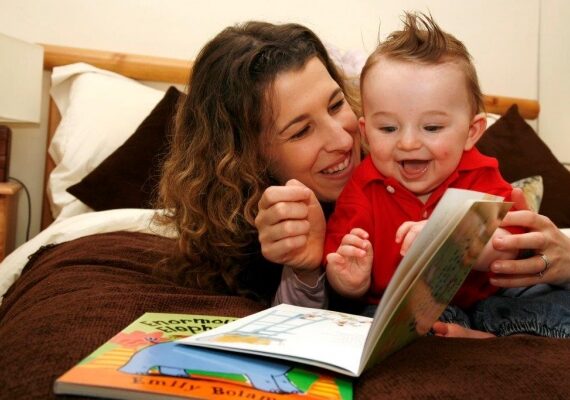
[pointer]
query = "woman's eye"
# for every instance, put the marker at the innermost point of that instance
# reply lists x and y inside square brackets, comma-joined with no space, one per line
[337,105]
[433,128]
[299,134]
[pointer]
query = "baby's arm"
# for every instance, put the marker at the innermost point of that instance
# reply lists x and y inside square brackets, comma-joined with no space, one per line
[491,254]
[349,268]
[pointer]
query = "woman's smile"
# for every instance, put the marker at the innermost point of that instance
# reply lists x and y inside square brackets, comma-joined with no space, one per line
[339,167]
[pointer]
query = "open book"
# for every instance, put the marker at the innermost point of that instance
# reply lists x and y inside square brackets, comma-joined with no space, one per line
[424,283]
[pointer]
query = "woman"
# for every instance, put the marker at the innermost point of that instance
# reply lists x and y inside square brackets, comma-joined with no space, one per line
[265,105]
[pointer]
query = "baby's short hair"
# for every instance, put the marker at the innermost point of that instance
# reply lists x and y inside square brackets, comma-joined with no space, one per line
[423,41]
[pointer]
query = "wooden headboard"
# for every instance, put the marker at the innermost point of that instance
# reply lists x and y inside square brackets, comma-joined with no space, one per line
[161,69]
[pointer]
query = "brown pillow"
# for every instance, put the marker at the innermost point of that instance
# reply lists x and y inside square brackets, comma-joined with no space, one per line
[128,178]
[521,153]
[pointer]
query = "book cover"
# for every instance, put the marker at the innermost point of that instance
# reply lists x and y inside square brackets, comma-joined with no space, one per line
[144,361]
[424,283]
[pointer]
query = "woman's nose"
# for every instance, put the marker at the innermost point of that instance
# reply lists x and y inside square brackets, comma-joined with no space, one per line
[339,136]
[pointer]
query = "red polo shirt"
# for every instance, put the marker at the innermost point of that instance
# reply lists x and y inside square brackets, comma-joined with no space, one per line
[379,205]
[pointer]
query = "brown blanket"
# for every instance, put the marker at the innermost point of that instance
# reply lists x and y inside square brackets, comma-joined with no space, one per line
[73,297]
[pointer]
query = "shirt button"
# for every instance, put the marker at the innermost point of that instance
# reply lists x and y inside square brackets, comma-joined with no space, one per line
[425,214]
[390,189]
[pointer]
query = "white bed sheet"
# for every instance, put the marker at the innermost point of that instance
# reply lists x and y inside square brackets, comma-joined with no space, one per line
[132,220]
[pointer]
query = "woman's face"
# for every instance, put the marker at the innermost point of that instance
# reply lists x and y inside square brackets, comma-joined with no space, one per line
[314,134]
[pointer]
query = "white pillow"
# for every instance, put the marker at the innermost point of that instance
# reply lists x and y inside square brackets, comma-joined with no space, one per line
[492,118]
[100,110]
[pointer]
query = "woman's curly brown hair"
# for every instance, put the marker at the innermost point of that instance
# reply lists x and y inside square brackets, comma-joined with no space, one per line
[214,174]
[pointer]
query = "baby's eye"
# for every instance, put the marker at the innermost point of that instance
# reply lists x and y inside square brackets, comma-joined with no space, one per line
[388,129]
[433,128]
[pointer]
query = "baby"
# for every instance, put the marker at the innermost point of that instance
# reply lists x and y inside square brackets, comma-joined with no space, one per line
[423,115]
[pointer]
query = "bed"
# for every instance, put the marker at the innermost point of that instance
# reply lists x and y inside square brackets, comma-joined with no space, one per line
[88,274]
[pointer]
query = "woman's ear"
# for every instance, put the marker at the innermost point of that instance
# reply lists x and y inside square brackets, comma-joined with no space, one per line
[476,129]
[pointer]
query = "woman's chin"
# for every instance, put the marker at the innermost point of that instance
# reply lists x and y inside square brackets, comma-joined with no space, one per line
[330,193]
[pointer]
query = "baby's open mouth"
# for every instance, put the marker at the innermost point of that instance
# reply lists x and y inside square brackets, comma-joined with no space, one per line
[414,167]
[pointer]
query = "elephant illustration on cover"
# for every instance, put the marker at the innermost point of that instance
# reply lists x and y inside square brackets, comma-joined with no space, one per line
[172,359]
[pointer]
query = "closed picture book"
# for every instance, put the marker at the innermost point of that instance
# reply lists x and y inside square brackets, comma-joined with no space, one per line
[424,283]
[144,361]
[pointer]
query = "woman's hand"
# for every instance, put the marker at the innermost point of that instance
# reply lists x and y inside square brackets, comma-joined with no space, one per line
[291,227]
[544,238]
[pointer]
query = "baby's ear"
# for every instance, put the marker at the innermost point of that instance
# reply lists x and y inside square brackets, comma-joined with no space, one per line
[362,128]
[476,129]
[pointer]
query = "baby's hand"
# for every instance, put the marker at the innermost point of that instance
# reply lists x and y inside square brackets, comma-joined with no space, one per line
[407,233]
[349,269]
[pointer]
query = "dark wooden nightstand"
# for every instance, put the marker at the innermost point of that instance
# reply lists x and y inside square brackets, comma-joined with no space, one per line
[8,216]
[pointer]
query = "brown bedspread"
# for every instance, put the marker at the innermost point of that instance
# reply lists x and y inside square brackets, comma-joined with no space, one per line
[73,297]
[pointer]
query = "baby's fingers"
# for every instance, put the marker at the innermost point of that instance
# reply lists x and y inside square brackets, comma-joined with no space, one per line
[348,250]
[408,240]
[359,232]
[403,230]
[353,245]
[411,235]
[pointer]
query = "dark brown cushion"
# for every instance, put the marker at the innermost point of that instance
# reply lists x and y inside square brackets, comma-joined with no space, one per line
[128,178]
[521,153]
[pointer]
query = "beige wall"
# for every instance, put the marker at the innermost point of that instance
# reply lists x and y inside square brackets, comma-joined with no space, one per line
[554,77]
[503,37]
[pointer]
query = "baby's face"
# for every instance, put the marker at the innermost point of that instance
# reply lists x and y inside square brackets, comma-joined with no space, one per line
[418,121]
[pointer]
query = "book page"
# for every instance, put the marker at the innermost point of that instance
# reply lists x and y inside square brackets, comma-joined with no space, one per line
[431,291]
[452,206]
[324,338]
